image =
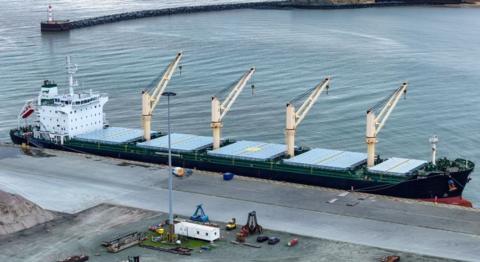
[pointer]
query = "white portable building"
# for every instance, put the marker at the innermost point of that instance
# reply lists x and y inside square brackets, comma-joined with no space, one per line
[197,231]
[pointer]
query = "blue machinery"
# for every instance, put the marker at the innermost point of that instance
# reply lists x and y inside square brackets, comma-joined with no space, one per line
[199,215]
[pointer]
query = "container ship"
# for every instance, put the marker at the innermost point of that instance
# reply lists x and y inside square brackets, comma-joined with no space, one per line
[75,121]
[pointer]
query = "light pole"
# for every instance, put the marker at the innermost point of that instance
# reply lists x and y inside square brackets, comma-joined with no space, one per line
[170,176]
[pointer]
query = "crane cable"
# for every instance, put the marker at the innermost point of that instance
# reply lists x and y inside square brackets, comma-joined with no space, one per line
[381,104]
[302,96]
[225,90]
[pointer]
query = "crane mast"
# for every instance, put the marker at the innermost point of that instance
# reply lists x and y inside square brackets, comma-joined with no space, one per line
[151,97]
[295,117]
[376,122]
[220,109]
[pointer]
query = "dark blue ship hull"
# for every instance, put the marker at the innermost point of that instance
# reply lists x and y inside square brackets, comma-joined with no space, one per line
[435,185]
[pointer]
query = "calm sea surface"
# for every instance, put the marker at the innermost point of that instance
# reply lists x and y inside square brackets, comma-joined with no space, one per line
[367,52]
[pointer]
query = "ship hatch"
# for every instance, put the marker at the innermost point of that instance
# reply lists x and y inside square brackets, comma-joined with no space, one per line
[398,166]
[328,159]
[179,143]
[250,150]
[112,135]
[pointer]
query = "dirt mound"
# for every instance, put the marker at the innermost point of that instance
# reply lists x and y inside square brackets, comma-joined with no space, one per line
[17,213]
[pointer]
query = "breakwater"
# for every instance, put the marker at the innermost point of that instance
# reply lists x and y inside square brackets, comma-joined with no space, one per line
[171,11]
[66,25]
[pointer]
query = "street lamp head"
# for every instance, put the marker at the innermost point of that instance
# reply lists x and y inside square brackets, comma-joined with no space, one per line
[169,94]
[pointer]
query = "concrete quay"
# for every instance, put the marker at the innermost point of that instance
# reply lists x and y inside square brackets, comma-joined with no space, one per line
[68,182]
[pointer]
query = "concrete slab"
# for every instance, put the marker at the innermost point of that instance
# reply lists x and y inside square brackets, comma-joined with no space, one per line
[70,182]
[83,232]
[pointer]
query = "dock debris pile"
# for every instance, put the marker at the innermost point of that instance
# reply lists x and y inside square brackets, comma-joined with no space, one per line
[17,213]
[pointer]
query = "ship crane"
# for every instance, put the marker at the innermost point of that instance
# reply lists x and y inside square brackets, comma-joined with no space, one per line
[151,97]
[375,122]
[220,109]
[295,117]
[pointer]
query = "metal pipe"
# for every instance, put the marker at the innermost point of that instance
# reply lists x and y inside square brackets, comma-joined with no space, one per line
[290,130]
[434,141]
[170,175]
[170,178]
[371,138]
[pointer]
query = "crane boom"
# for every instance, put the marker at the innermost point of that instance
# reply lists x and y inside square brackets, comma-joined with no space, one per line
[150,100]
[375,122]
[220,109]
[294,118]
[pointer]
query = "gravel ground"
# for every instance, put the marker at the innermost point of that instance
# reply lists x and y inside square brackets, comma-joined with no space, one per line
[17,213]
[70,183]
[83,232]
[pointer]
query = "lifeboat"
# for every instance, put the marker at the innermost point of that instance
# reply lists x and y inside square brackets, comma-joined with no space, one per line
[27,111]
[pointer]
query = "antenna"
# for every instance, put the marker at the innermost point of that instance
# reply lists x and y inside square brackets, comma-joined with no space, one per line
[434,141]
[71,70]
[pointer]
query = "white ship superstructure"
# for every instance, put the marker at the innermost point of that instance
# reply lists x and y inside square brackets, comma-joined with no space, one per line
[61,116]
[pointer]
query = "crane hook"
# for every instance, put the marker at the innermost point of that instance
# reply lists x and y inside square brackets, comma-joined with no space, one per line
[253,85]
[180,69]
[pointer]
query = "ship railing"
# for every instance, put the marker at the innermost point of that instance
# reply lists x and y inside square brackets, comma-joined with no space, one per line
[469,164]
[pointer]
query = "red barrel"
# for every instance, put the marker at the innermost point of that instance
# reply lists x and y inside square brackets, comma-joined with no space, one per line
[292,242]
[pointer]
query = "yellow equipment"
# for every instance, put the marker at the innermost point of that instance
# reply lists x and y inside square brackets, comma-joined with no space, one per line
[160,230]
[295,117]
[231,225]
[150,98]
[376,122]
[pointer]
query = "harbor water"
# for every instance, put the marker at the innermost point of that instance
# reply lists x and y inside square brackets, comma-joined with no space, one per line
[367,52]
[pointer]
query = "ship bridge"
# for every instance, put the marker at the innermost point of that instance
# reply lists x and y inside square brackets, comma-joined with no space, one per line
[76,99]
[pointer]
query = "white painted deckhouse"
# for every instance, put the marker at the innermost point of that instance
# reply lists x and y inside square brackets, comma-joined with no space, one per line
[61,116]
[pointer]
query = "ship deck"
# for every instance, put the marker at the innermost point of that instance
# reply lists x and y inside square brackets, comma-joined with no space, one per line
[266,156]
[269,159]
[84,181]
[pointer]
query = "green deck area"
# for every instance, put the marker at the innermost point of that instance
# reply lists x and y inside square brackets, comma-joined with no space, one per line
[273,165]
